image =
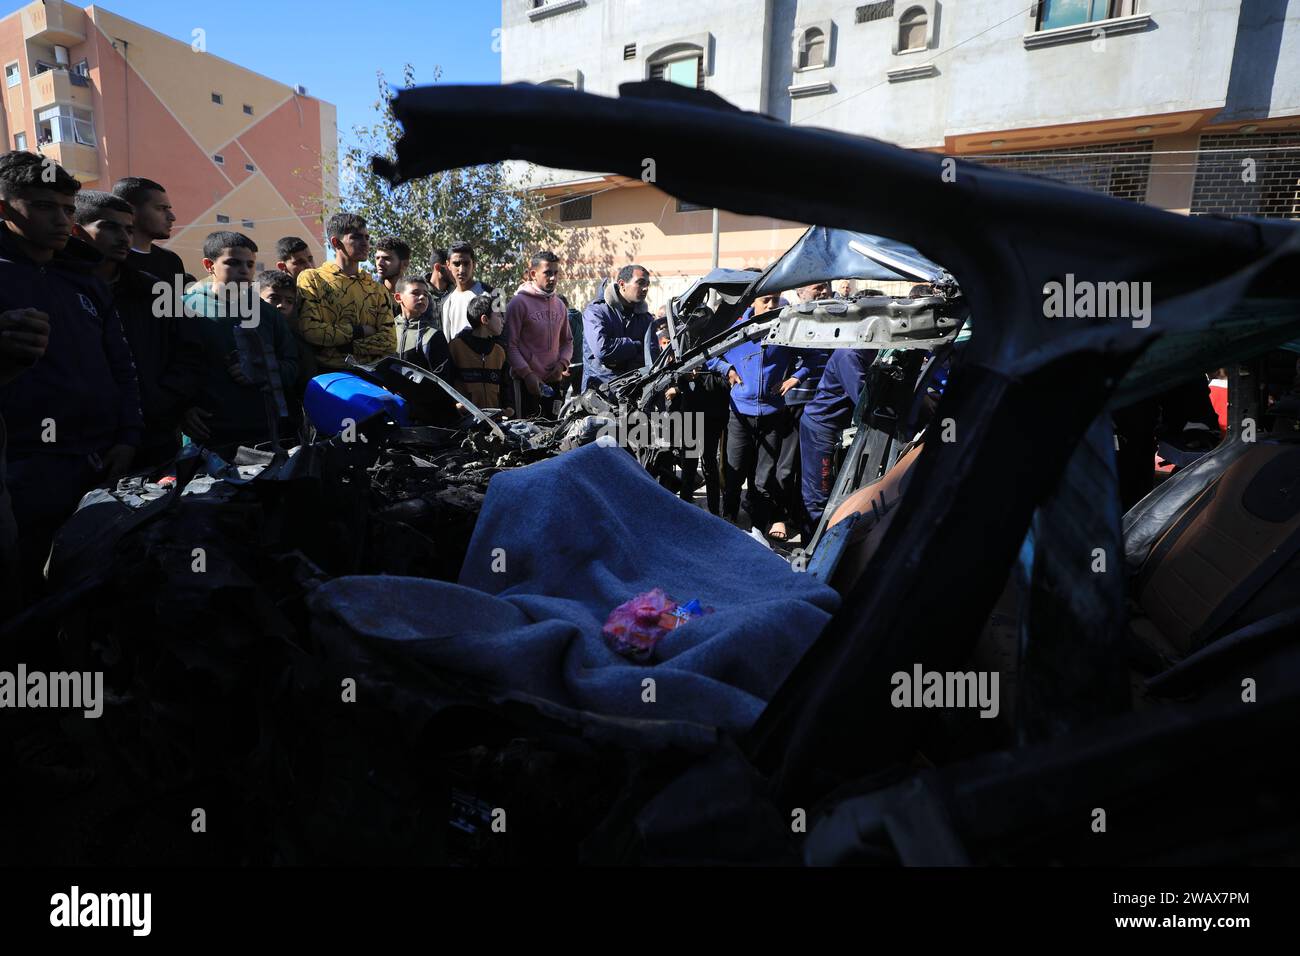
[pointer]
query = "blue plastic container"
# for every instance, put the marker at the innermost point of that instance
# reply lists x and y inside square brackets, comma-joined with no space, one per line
[335,396]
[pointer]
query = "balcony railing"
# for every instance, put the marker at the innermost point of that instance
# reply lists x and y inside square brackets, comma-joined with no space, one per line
[58,85]
[50,87]
[81,161]
[52,22]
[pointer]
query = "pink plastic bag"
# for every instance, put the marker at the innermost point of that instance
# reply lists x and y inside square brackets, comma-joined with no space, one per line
[636,626]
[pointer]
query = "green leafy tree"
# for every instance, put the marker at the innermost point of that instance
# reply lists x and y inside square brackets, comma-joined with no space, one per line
[477,204]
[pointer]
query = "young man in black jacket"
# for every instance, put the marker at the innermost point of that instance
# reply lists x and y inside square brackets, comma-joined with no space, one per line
[165,346]
[440,279]
[153,223]
[74,416]
[392,257]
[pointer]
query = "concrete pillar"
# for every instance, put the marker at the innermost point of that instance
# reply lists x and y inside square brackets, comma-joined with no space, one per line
[1173,176]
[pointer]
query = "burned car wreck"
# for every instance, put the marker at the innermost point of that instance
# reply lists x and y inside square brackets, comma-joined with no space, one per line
[392,680]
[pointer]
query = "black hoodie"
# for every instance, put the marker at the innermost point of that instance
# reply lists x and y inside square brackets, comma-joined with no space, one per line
[86,382]
[169,357]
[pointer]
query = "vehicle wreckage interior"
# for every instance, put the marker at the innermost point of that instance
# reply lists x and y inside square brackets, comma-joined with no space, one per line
[384,651]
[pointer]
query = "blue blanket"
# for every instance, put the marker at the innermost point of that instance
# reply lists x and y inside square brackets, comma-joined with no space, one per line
[561,543]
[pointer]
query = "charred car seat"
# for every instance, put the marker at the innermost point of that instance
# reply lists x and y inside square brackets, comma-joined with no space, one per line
[1232,556]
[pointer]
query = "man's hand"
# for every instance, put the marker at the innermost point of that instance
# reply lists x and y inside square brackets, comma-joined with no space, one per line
[533,384]
[193,425]
[24,335]
[670,393]
[788,384]
[733,378]
[117,461]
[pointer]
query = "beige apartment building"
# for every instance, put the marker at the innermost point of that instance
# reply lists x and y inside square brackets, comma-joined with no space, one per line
[108,98]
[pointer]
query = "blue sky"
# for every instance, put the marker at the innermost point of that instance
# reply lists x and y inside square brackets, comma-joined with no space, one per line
[331,47]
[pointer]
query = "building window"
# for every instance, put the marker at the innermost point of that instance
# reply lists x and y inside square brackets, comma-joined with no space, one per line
[912,30]
[222,220]
[219,159]
[682,64]
[20,140]
[684,206]
[569,80]
[248,109]
[13,75]
[539,9]
[65,124]
[250,167]
[80,74]
[575,208]
[1068,13]
[812,52]
[216,98]
[870,12]
[812,46]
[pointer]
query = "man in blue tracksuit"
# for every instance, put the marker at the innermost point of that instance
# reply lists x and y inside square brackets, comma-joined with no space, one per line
[824,418]
[614,328]
[73,416]
[760,445]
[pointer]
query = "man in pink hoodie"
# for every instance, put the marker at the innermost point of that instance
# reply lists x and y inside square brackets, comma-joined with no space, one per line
[539,340]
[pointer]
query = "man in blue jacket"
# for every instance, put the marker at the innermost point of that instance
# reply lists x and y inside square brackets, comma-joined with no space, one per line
[614,328]
[760,446]
[74,416]
[824,419]
[811,364]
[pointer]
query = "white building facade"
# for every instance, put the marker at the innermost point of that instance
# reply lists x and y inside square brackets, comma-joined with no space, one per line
[1156,101]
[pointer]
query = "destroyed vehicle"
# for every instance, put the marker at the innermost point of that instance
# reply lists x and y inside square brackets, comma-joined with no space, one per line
[347,716]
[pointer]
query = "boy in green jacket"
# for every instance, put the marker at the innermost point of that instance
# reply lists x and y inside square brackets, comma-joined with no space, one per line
[228,313]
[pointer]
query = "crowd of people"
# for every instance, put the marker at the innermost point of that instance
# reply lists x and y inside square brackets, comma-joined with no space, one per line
[112,355]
